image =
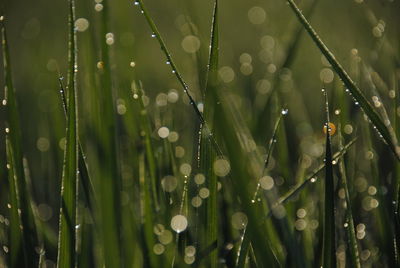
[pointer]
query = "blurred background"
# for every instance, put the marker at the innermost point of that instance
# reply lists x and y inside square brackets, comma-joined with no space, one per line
[262,50]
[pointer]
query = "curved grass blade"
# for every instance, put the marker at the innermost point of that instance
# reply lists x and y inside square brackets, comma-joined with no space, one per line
[329,246]
[178,75]
[387,135]
[69,196]
[351,236]
[22,240]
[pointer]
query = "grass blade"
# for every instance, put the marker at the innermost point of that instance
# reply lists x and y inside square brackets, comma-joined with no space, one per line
[310,179]
[86,182]
[208,155]
[23,240]
[329,246]
[354,256]
[69,196]
[387,134]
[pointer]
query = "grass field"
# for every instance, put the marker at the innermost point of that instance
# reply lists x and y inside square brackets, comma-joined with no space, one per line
[216,133]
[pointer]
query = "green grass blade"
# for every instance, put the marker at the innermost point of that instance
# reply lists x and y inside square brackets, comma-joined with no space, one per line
[244,247]
[23,240]
[86,182]
[69,197]
[208,155]
[109,179]
[310,179]
[329,246]
[351,236]
[388,136]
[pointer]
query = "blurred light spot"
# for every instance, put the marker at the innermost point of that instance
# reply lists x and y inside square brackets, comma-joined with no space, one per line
[267,42]
[196,201]
[161,99]
[165,237]
[263,86]
[169,183]
[173,136]
[348,129]
[98,7]
[301,213]
[221,167]
[158,249]
[132,64]
[185,169]
[81,24]
[158,229]
[227,74]
[300,224]
[173,96]
[256,15]
[369,155]
[239,220]
[43,144]
[179,151]
[245,58]
[199,179]
[190,43]
[372,190]
[267,182]
[62,143]
[246,69]
[190,251]
[179,223]
[163,132]
[326,75]
[204,193]
[189,259]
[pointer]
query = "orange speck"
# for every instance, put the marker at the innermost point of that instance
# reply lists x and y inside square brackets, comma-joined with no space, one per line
[332,129]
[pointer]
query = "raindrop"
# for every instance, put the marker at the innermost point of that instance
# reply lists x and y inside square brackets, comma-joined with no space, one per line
[284,111]
[153,35]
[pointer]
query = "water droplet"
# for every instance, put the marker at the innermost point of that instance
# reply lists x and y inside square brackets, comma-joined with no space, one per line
[153,35]
[168,62]
[284,111]
[173,71]
[7,130]
[313,180]
[345,225]
[136,3]
[4,102]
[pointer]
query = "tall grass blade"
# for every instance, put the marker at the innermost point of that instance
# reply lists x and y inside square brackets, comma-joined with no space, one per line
[69,195]
[85,180]
[244,246]
[387,134]
[208,155]
[109,180]
[351,236]
[22,240]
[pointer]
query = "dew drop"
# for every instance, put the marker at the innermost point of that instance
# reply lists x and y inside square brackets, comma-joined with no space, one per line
[284,111]
[153,35]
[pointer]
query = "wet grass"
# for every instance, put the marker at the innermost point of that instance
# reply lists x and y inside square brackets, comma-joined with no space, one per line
[203,142]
